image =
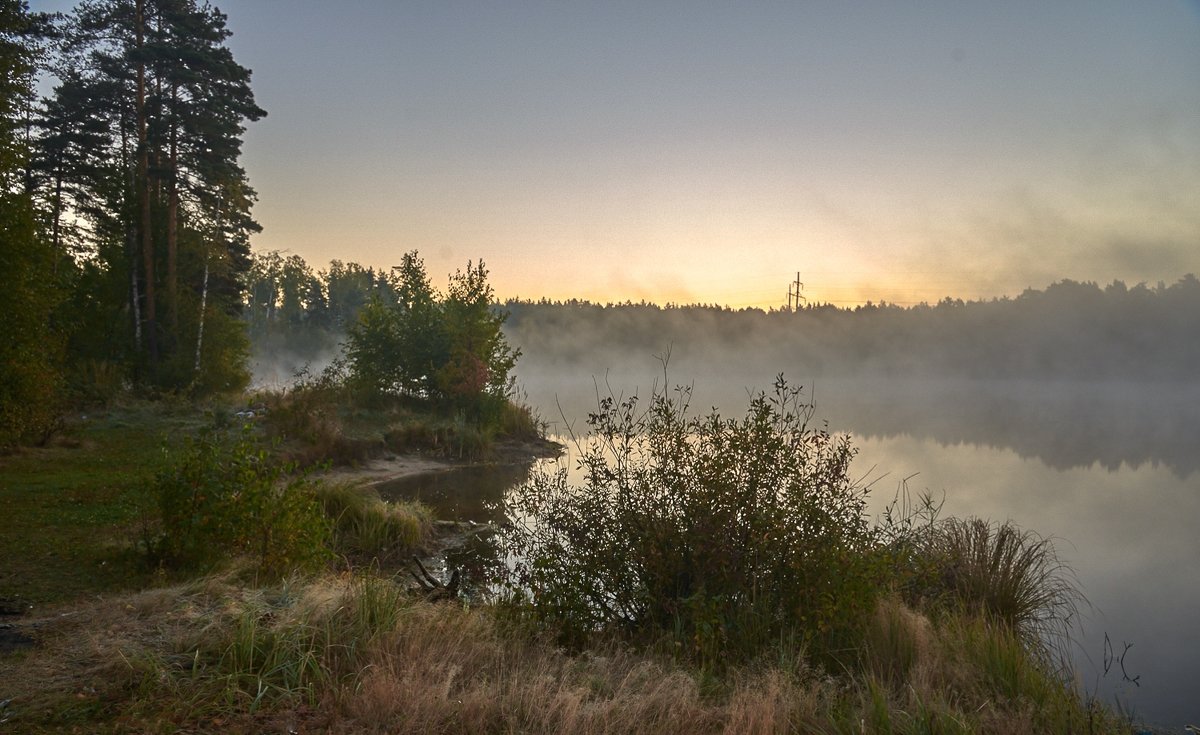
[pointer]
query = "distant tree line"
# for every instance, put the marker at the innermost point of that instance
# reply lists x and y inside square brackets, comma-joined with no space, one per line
[290,308]
[1070,330]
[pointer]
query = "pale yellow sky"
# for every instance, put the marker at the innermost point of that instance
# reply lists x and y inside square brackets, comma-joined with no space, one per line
[705,152]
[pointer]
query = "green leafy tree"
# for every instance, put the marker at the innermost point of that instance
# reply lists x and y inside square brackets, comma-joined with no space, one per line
[373,349]
[139,147]
[421,335]
[348,288]
[480,359]
[29,344]
[416,342]
[399,340]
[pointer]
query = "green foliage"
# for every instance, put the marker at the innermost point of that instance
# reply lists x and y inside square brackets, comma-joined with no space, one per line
[16,65]
[225,496]
[729,535]
[415,342]
[154,254]
[479,357]
[97,382]
[374,348]
[421,330]
[30,351]
[223,357]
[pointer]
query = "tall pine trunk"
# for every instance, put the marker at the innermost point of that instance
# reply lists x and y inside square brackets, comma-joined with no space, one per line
[173,217]
[56,222]
[143,187]
[203,308]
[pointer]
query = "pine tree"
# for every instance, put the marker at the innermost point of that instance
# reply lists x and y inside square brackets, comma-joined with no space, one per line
[29,359]
[140,143]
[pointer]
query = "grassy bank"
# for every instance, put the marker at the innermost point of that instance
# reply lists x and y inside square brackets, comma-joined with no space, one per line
[355,653]
[71,508]
[949,636]
[326,419]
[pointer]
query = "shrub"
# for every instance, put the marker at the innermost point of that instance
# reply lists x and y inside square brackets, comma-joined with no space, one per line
[307,416]
[226,496]
[729,535]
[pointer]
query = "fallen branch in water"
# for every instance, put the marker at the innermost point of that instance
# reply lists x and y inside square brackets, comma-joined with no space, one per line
[432,587]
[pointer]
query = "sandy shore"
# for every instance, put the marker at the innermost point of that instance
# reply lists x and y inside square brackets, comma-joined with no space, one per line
[385,469]
[376,471]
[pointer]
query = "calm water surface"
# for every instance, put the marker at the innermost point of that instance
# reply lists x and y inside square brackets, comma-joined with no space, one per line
[1112,472]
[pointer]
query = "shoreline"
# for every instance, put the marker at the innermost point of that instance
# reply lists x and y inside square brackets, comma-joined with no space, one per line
[393,467]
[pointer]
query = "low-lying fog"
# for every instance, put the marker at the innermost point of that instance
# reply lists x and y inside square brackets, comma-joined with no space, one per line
[1073,411]
[1109,468]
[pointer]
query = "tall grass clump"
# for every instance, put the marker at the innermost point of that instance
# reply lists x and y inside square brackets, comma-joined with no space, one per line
[300,647]
[366,526]
[1012,575]
[727,536]
[518,420]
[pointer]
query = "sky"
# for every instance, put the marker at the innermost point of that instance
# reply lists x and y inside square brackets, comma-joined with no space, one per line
[709,152]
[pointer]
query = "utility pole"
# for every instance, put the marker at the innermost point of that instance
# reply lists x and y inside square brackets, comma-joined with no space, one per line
[794,293]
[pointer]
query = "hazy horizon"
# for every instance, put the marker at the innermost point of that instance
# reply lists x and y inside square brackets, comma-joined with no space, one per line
[706,153]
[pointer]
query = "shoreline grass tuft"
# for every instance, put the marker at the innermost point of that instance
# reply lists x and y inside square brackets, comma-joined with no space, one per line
[366,527]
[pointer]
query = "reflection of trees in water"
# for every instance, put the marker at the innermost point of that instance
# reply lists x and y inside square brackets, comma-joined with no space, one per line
[1063,424]
[469,493]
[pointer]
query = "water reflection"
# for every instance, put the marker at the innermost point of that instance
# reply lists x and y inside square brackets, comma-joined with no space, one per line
[470,493]
[1110,471]
[1063,424]
[473,494]
[1126,532]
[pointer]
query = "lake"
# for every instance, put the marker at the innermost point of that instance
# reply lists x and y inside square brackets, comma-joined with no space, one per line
[1110,471]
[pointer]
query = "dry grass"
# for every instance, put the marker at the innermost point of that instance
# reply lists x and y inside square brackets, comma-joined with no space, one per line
[1013,575]
[368,528]
[453,671]
[355,654]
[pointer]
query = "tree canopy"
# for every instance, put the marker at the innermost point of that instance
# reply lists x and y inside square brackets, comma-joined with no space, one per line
[136,180]
[124,206]
[412,340]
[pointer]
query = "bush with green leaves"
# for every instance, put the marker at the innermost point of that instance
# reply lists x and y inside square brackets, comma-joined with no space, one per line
[728,535]
[226,496]
[414,341]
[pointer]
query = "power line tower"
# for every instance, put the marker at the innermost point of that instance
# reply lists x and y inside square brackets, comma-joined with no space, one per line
[794,294]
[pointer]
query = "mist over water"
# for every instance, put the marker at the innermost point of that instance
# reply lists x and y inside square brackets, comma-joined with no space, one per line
[1074,412]
[1109,468]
